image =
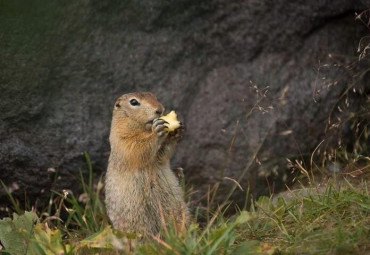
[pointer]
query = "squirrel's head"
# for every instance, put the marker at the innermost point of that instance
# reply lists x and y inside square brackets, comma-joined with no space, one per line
[137,110]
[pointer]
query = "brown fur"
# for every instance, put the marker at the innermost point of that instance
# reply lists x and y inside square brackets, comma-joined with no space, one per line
[142,193]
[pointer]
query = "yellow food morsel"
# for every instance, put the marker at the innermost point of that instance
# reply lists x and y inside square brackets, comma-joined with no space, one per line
[171,118]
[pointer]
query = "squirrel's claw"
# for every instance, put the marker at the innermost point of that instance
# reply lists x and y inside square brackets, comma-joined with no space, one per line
[177,133]
[159,127]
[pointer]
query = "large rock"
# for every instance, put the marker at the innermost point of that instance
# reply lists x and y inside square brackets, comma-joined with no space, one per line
[246,77]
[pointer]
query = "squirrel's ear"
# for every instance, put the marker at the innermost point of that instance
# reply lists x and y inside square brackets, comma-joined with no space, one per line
[118,103]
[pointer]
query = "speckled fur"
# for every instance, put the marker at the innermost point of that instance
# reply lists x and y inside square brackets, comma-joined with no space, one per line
[142,192]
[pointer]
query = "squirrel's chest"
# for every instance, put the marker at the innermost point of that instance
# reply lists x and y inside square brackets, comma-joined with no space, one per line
[140,187]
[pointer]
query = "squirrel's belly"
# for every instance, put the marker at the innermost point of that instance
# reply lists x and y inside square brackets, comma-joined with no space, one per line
[137,203]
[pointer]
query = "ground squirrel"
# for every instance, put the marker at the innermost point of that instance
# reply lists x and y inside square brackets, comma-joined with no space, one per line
[142,192]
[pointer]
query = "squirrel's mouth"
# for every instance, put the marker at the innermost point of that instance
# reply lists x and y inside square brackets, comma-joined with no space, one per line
[150,121]
[149,124]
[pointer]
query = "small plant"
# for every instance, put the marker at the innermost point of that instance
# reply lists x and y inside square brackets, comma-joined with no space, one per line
[220,237]
[332,220]
[48,232]
[16,232]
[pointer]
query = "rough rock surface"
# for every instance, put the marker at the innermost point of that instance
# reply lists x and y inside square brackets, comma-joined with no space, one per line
[243,75]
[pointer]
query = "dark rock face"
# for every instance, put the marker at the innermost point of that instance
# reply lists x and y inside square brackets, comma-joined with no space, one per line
[243,75]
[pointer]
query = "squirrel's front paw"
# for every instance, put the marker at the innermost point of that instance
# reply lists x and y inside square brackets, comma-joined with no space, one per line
[159,127]
[177,133]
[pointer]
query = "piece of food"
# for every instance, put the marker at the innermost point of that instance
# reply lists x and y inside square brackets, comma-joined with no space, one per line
[171,118]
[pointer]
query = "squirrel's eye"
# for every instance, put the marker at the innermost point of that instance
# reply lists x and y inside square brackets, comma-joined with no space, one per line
[134,102]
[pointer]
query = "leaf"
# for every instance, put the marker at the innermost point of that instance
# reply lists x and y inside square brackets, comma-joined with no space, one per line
[265,203]
[102,239]
[280,208]
[243,217]
[107,238]
[266,249]
[48,241]
[15,233]
[254,247]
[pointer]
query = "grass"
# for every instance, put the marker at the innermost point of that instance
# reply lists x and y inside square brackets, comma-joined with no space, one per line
[331,217]
[332,220]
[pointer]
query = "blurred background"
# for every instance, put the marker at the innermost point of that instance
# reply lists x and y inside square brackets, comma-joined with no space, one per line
[258,84]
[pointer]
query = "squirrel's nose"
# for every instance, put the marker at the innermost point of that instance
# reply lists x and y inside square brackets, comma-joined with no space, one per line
[159,111]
